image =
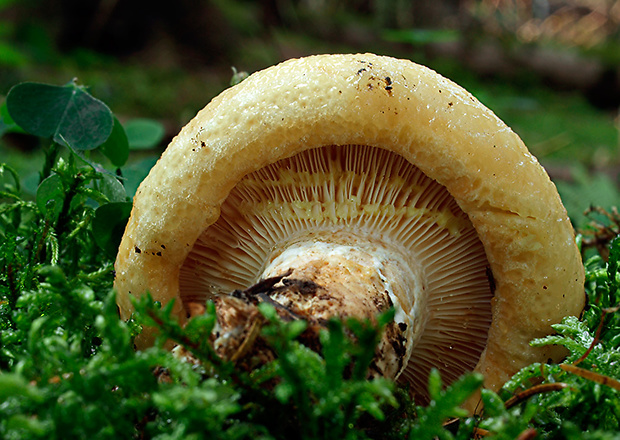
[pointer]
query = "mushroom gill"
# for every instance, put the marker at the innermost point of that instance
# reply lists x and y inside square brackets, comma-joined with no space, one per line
[370,229]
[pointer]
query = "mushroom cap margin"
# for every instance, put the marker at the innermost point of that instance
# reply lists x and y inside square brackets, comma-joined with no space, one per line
[388,103]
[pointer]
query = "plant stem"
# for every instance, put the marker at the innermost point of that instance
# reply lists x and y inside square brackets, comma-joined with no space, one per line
[51,155]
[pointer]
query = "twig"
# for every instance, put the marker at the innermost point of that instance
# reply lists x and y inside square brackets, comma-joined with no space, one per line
[536,389]
[597,336]
[528,434]
[262,286]
[591,375]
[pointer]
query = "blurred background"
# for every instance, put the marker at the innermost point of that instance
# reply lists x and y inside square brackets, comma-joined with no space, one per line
[549,68]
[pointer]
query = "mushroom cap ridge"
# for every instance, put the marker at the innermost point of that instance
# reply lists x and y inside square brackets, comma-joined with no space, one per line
[388,103]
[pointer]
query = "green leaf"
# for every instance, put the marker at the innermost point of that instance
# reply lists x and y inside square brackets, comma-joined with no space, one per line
[50,196]
[109,224]
[14,185]
[136,172]
[612,267]
[11,57]
[144,134]
[7,124]
[116,147]
[434,384]
[445,405]
[111,188]
[13,385]
[419,37]
[492,403]
[24,424]
[68,114]
[588,190]
[334,346]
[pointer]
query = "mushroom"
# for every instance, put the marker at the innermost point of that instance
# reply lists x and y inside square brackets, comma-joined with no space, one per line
[361,182]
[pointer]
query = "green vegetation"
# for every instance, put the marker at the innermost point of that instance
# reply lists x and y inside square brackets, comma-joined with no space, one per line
[67,364]
[68,368]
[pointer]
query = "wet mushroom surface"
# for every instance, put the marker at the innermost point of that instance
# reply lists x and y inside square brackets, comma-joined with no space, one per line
[343,185]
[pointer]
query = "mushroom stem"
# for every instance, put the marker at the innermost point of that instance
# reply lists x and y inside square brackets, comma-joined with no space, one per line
[333,278]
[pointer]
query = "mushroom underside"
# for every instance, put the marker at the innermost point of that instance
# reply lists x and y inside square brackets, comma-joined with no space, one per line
[369,230]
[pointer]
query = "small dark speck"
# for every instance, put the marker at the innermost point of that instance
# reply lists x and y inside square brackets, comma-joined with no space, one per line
[359,72]
[202,144]
[491,280]
[137,249]
[545,287]
[193,149]
[158,254]
[402,326]
[163,247]
[439,91]
[388,83]
[450,104]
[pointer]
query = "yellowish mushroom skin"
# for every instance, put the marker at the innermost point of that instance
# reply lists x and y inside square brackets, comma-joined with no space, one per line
[387,103]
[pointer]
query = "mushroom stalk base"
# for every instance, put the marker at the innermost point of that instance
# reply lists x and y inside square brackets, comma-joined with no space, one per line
[319,280]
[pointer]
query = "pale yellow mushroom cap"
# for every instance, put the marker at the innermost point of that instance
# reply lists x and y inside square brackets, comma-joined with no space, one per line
[388,104]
